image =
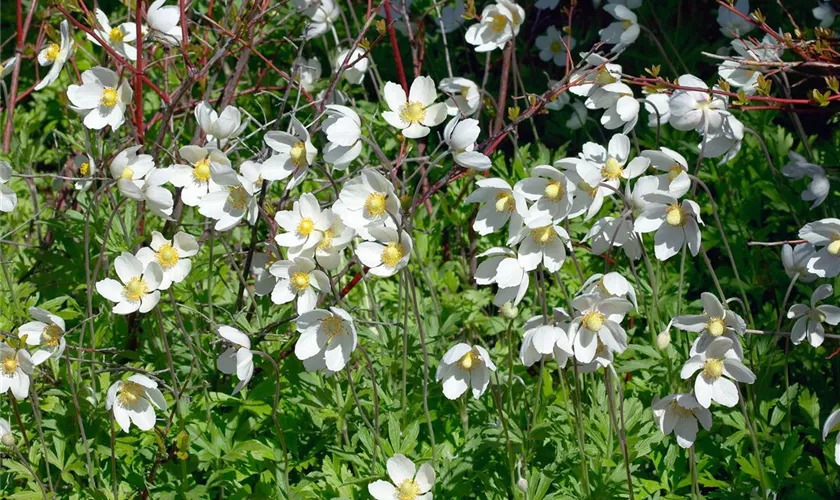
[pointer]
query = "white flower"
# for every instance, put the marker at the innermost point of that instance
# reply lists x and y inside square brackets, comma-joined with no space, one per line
[415,113]
[406,484]
[503,268]
[85,167]
[308,72]
[357,65]
[552,46]
[658,108]
[8,198]
[675,180]
[499,23]
[501,204]
[717,364]
[15,368]
[795,261]
[603,358]
[334,239]
[322,15]
[696,109]
[46,332]
[295,153]
[451,17]
[367,200]
[551,193]
[546,340]
[544,244]
[824,233]
[463,366]
[799,167]
[732,25]
[6,430]
[388,254]
[343,128]
[716,321]
[598,319]
[158,199]
[194,178]
[130,169]
[740,73]
[163,21]
[298,280]
[609,285]
[134,401]
[726,141]
[609,165]
[219,127]
[558,101]
[101,98]
[237,358]
[579,115]
[621,109]
[830,423]
[327,339]
[810,319]
[464,96]
[264,281]
[460,136]
[614,232]
[589,197]
[7,66]
[679,413]
[139,289]
[825,14]
[172,255]
[624,31]
[590,80]
[55,55]
[117,37]
[305,225]
[675,224]
[234,201]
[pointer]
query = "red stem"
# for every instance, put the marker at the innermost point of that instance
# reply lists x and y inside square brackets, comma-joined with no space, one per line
[392,35]
[138,81]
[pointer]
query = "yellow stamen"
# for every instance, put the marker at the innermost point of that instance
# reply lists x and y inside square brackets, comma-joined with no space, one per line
[51,335]
[675,215]
[834,247]
[713,368]
[469,360]
[201,170]
[593,320]
[413,112]
[10,365]
[674,172]
[505,201]
[716,327]
[52,52]
[612,169]
[109,97]
[554,191]
[543,235]
[626,23]
[586,188]
[85,169]
[298,155]
[375,204]
[305,226]
[326,240]
[498,22]
[167,256]
[680,411]
[116,35]
[135,289]
[130,393]
[238,198]
[392,254]
[300,281]
[408,490]
[555,47]
[127,173]
[604,77]
[332,325]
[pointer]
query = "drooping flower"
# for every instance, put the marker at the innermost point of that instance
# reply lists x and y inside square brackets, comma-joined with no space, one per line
[219,127]
[741,73]
[552,46]
[614,232]
[587,81]
[499,23]
[133,401]
[547,340]
[725,142]
[598,318]
[327,339]
[194,177]
[415,113]
[676,224]
[158,199]
[679,413]
[825,13]
[172,255]
[139,289]
[823,233]
[502,268]
[389,252]
[795,261]
[294,154]
[164,22]
[236,199]
[624,30]
[308,72]
[621,109]
[715,322]
[86,167]
[719,366]
[8,198]
[460,136]
[809,322]
[464,96]
[7,66]
[46,332]
[799,167]
[731,24]
[101,98]
[463,366]
[299,281]
[321,15]
[117,37]
[500,205]
[130,170]
[357,66]
[237,358]
[344,131]
[16,367]
[55,55]
[407,482]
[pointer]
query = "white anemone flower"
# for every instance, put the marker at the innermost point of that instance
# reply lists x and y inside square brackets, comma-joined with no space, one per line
[101,98]
[810,320]
[550,192]
[334,240]
[676,224]
[825,13]
[389,252]
[164,22]
[139,288]
[219,127]
[8,198]
[133,401]
[415,113]
[592,79]
[452,17]
[499,23]
[502,268]
[194,177]
[679,413]
[624,30]
[117,37]
[321,15]
[609,285]
[609,165]
[724,143]
[544,341]
[130,170]
[795,261]
[603,359]
[823,233]
[741,72]
[464,96]
[543,244]
[294,154]
[46,332]
[264,281]
[460,136]
[357,65]
[304,226]
[463,366]
[621,109]
[368,200]
[720,367]
[589,197]
[16,367]
[172,255]
[86,167]
[614,232]
[343,128]
[55,55]
[675,180]
[731,24]
[6,430]
[659,109]
[327,339]
[831,423]
[158,199]
[500,204]
[716,321]
[552,46]
[799,167]
[407,482]
[598,319]
[237,358]
[308,72]
[236,200]
[696,109]
[7,66]
[299,281]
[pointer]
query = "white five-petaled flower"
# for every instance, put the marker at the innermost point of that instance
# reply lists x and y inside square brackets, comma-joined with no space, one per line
[305,225]
[502,267]
[344,131]
[235,200]
[810,320]
[464,96]
[298,280]
[609,285]
[724,142]
[219,127]
[499,23]
[130,170]
[321,14]
[367,200]
[717,365]
[415,113]
[697,109]
[163,21]
[8,198]
[46,332]
[101,98]
[194,178]
[133,401]
[460,136]
[463,366]
[624,30]
[609,165]
[551,193]
[598,319]
[676,224]
[327,339]
[501,204]
[15,368]
[679,413]
[237,358]
[603,358]
[823,233]
[334,239]
[542,244]
[552,46]
[357,65]
[294,154]
[543,340]
[799,167]
[158,199]
[407,482]
[621,109]
[825,13]
[591,79]
[611,232]
[55,55]
[675,180]
[716,321]
[741,72]
[116,37]
[831,423]
[658,107]
[389,252]
[139,288]
[172,255]
[795,261]
[731,24]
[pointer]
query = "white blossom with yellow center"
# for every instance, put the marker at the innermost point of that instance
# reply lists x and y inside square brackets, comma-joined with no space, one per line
[810,319]
[46,333]
[194,177]
[720,367]
[368,200]
[55,55]
[543,244]
[16,366]
[464,366]
[294,154]
[117,37]
[414,113]
[173,256]
[237,358]
[139,290]
[679,414]
[101,98]
[298,280]
[499,22]
[304,226]
[327,340]
[133,401]
[716,321]
[675,223]
[407,482]
[624,31]
[499,204]
[388,253]
[598,319]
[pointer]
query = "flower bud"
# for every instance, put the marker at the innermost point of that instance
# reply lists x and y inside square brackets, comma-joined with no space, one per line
[522,484]
[8,440]
[509,311]
[663,340]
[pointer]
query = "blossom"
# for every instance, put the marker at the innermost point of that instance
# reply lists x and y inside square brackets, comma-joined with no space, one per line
[544,340]
[675,224]
[679,413]
[715,322]
[163,21]
[237,358]
[298,280]
[696,109]
[304,224]
[264,281]
[499,23]
[724,142]
[139,290]
[609,285]
[344,131]
[500,205]
[795,261]
[598,319]
[327,339]
[503,269]
[46,332]
[235,200]
[830,424]
[589,196]
[308,72]
[101,98]
[134,401]
[358,65]
[7,66]
[552,46]
[659,109]
[117,37]
[463,366]
[824,233]
[624,30]
[464,96]
[321,15]
[460,136]
[6,430]
[55,55]
[158,199]
[334,239]
[609,165]
[675,180]
[388,254]
[367,200]
[172,255]
[740,73]
[130,169]
[550,192]
[825,13]
[603,358]
[731,24]
[592,79]
[543,244]
[194,177]
[799,167]
[415,113]
[16,367]
[810,320]
[8,198]
[86,167]
[451,17]
[294,154]
[620,105]
[407,482]
[219,127]
[717,365]
[609,232]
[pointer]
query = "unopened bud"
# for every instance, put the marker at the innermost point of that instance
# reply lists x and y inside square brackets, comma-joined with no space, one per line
[522,484]
[8,440]
[508,310]
[663,340]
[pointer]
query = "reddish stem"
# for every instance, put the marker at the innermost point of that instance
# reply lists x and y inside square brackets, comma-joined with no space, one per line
[138,81]
[392,35]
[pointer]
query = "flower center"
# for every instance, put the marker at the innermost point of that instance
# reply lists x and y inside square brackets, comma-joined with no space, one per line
[586,188]
[469,360]
[412,112]
[10,365]
[505,202]
[408,490]
[238,198]
[300,281]
[298,154]
[498,22]
[130,393]
[109,97]
[675,215]
[613,169]
[594,320]
[392,254]
[127,173]
[135,289]
[305,226]
[680,411]
[816,315]
[201,170]
[713,368]
[326,240]
[84,169]
[604,77]
[834,247]
[543,235]
[333,326]
[167,256]
[674,172]
[555,47]
[554,191]
[116,35]
[52,52]
[375,204]
[465,90]
[626,23]
[716,327]
[51,335]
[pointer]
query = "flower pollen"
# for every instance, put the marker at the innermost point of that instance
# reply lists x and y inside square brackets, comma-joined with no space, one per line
[505,201]
[52,52]
[612,169]
[109,97]
[675,171]
[84,170]
[675,215]
[713,368]
[9,365]
[408,490]
[326,240]
[115,35]
[554,191]
[300,281]
[543,235]
[238,198]
[392,254]
[135,289]
[498,22]
[593,320]
[130,393]
[298,154]
[127,173]
[333,326]
[716,327]
[201,170]
[167,256]
[305,226]
[375,204]
[469,360]
[681,411]
[413,112]
[834,247]
[51,336]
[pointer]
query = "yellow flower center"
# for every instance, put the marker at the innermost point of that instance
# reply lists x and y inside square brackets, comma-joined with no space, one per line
[816,315]
[469,360]
[555,47]
[238,198]
[408,490]
[675,215]
[716,327]
[298,154]
[586,188]
[109,97]
[375,204]
[593,320]
[680,411]
[52,52]
[116,35]
[127,173]
[130,393]
[135,289]
[305,226]
[612,169]
[332,325]
[604,77]
[51,335]
[713,368]
[300,281]
[167,256]
[465,90]
[201,170]
[554,191]
[834,247]
[84,169]
[498,22]
[326,240]
[10,365]
[505,202]
[543,235]
[626,23]
[412,112]
[392,254]
[674,172]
